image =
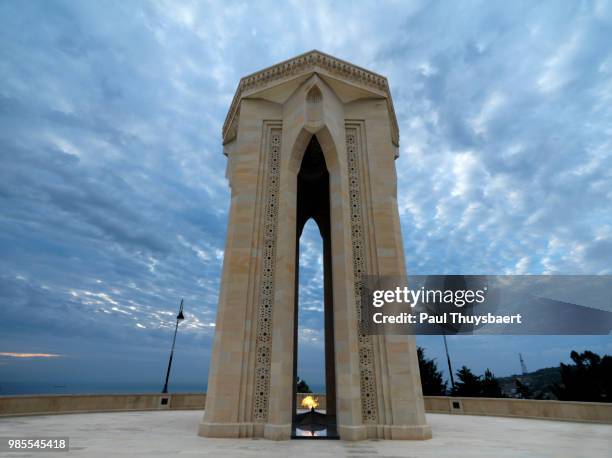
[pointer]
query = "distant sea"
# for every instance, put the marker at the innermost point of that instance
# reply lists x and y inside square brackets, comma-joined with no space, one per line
[13,388]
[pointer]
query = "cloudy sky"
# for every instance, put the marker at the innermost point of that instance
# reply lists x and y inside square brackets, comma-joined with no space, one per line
[112,190]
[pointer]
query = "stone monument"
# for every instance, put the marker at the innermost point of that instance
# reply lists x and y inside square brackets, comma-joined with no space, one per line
[311,137]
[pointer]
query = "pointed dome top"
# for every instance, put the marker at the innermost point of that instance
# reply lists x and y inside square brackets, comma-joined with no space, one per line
[310,62]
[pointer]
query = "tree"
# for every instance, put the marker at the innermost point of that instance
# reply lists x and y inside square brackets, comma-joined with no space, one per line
[469,385]
[431,378]
[522,389]
[489,386]
[302,386]
[589,379]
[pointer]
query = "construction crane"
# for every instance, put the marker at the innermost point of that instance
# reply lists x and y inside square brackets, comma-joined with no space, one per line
[523,366]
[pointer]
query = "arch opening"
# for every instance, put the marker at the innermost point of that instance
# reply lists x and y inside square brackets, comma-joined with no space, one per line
[313,202]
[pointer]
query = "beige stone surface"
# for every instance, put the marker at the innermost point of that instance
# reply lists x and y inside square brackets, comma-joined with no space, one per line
[596,412]
[172,433]
[524,408]
[40,404]
[271,120]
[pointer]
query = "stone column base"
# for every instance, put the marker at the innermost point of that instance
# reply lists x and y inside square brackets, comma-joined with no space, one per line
[352,433]
[277,432]
[283,432]
[400,432]
[238,430]
[230,430]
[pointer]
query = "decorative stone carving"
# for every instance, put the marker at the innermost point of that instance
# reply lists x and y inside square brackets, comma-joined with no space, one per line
[309,61]
[366,367]
[266,296]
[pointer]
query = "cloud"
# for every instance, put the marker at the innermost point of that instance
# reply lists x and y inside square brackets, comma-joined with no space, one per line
[29,355]
[114,201]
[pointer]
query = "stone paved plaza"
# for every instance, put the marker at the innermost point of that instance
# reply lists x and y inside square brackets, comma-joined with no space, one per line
[174,433]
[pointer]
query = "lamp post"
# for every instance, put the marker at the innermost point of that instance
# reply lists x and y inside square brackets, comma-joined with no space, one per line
[180,317]
[450,367]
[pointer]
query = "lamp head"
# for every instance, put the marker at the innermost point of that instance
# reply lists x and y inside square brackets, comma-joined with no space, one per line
[180,316]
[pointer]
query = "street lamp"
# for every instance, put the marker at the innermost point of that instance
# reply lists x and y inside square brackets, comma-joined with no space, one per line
[180,317]
[450,367]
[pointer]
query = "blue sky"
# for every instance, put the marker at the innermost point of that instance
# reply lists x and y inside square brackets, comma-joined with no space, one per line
[112,189]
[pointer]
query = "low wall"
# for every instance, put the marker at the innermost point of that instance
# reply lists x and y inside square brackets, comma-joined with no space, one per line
[594,412]
[524,408]
[37,405]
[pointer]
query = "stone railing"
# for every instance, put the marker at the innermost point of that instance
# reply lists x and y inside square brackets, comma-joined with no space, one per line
[52,404]
[593,412]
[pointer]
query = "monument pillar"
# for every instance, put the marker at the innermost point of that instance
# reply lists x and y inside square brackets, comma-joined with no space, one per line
[304,124]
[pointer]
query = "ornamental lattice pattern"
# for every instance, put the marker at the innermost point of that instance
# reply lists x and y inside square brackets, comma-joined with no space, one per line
[266,295]
[366,363]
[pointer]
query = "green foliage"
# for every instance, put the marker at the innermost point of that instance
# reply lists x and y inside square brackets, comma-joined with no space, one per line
[431,378]
[302,386]
[490,386]
[522,389]
[538,382]
[470,385]
[588,379]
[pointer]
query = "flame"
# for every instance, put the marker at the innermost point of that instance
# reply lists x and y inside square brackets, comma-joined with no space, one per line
[309,402]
